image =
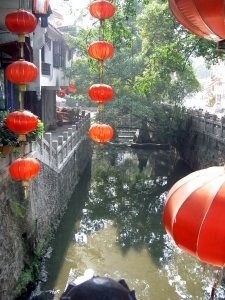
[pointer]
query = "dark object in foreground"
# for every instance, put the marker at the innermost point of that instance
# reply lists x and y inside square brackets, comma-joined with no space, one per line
[99,288]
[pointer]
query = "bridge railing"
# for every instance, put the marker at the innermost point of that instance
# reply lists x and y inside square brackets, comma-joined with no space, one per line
[209,124]
[53,153]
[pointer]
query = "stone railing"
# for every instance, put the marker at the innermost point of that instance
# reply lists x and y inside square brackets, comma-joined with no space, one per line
[209,124]
[55,153]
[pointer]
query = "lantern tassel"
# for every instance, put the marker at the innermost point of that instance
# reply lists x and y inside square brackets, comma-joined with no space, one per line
[25,184]
[100,106]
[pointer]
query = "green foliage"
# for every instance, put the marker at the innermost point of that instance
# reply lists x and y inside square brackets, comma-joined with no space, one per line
[30,273]
[25,278]
[17,208]
[7,137]
[37,132]
[4,114]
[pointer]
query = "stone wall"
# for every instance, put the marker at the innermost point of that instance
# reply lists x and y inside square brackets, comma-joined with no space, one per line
[25,224]
[202,150]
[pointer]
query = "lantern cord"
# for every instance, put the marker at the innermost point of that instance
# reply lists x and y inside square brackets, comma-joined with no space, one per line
[23,148]
[21,50]
[21,4]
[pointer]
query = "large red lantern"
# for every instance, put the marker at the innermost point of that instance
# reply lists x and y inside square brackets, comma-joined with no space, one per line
[24,168]
[21,72]
[203,18]
[194,215]
[21,22]
[100,93]
[21,122]
[100,50]
[100,133]
[102,9]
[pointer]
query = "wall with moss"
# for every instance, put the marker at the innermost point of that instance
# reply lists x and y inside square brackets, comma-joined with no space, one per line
[27,225]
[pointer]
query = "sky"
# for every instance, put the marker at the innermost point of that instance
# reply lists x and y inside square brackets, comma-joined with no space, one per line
[64,8]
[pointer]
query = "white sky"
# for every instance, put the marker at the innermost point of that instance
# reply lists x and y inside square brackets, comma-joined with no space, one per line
[64,7]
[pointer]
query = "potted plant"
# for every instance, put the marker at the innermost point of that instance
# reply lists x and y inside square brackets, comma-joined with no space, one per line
[8,139]
[36,133]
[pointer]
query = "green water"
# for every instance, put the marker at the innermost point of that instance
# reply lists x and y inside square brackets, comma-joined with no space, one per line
[116,215]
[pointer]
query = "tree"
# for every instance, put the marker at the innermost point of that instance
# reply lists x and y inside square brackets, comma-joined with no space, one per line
[151,65]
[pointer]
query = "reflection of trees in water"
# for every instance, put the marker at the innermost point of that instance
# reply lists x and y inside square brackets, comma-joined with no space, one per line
[130,196]
[133,199]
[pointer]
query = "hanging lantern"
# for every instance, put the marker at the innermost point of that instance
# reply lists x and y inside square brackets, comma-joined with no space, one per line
[100,133]
[203,18]
[21,22]
[61,93]
[100,93]
[100,50]
[21,72]
[102,9]
[71,88]
[21,122]
[24,169]
[194,215]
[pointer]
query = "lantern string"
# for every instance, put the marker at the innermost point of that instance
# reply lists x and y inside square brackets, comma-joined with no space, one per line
[20,46]
[22,148]
[21,4]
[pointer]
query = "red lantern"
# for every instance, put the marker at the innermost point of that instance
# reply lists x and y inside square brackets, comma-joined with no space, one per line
[71,88]
[203,18]
[194,215]
[100,50]
[21,121]
[21,22]
[102,9]
[100,93]
[24,168]
[21,72]
[61,93]
[100,133]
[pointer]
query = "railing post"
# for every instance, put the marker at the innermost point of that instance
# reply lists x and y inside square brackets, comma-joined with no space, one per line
[65,138]
[48,137]
[55,146]
[74,141]
[60,143]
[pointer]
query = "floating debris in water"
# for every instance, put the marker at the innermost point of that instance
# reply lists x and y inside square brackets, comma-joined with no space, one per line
[80,238]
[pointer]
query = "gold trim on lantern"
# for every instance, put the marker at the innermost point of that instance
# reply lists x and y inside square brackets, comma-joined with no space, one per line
[21,38]
[100,106]
[22,87]
[22,137]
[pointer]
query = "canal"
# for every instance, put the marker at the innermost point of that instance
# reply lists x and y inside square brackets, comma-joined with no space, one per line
[113,227]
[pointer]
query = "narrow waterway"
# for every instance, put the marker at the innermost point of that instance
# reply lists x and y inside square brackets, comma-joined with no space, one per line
[113,226]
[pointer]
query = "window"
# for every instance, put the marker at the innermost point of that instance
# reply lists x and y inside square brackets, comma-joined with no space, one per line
[57,54]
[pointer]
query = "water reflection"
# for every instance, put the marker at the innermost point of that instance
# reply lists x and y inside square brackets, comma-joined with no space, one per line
[120,233]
